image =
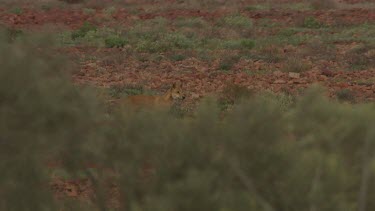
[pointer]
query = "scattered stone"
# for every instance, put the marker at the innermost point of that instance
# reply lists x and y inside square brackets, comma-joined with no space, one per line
[294,75]
[279,81]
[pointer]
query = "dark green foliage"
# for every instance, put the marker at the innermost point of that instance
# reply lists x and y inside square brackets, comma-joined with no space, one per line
[345,95]
[228,62]
[16,10]
[242,44]
[313,154]
[81,32]
[178,57]
[41,116]
[115,41]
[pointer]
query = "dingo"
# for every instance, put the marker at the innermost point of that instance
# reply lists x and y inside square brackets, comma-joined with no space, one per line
[162,101]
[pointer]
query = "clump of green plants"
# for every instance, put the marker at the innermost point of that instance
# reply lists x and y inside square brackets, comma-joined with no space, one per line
[115,41]
[83,30]
[228,62]
[241,44]
[37,98]
[16,10]
[311,23]
[178,57]
[264,147]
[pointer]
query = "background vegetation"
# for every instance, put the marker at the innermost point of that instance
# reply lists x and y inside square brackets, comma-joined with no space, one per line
[270,152]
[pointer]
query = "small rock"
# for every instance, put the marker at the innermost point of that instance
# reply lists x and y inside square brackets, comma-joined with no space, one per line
[323,77]
[280,81]
[294,75]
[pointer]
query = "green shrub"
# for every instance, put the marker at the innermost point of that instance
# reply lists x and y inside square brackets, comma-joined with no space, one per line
[260,156]
[81,32]
[178,57]
[244,44]
[41,117]
[16,10]
[228,62]
[115,41]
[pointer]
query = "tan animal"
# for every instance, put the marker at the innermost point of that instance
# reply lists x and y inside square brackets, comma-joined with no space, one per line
[157,101]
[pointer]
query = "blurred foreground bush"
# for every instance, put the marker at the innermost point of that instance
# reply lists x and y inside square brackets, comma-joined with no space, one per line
[313,155]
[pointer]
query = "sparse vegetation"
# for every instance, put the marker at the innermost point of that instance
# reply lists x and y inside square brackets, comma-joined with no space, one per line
[115,41]
[246,130]
[311,23]
[16,10]
[82,32]
[345,95]
[296,65]
[361,57]
[237,21]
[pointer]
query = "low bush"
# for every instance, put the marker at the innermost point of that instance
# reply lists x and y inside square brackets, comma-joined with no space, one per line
[83,30]
[115,41]
[266,154]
